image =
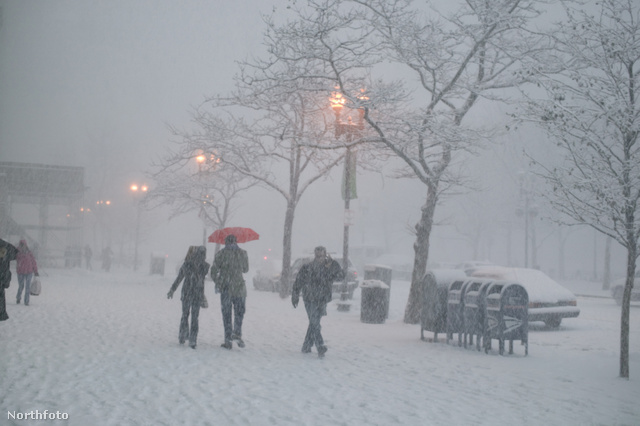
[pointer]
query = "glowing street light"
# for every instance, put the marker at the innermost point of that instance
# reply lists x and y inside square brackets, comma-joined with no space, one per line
[349,129]
[137,190]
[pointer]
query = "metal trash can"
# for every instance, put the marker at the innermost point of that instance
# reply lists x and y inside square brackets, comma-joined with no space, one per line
[156,265]
[473,311]
[455,306]
[374,299]
[381,273]
[506,316]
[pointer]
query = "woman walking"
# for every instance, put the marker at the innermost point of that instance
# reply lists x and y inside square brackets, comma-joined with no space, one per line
[26,267]
[193,271]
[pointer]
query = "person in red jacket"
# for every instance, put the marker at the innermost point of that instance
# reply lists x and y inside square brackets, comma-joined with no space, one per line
[26,267]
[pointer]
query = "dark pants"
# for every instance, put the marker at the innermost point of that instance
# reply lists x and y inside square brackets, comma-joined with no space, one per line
[3,305]
[237,304]
[315,312]
[189,305]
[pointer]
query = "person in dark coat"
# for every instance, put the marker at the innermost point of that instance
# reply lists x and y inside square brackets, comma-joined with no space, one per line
[226,271]
[107,256]
[88,254]
[7,253]
[193,271]
[26,268]
[315,281]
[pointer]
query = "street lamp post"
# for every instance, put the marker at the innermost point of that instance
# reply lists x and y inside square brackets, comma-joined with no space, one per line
[529,212]
[137,191]
[205,198]
[349,129]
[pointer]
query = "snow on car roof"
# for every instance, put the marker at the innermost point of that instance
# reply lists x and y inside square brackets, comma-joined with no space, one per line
[540,287]
[448,275]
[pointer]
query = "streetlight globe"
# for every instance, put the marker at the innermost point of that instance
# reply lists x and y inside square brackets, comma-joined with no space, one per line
[201,158]
[134,187]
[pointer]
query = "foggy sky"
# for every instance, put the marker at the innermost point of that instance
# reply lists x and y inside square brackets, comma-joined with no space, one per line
[94,84]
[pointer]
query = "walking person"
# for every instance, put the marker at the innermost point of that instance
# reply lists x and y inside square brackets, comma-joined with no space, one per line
[26,268]
[226,271]
[193,272]
[107,256]
[315,281]
[7,253]
[88,254]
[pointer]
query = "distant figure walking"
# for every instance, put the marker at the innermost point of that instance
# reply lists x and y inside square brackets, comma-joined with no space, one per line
[226,271]
[315,281]
[107,256]
[88,254]
[26,267]
[193,272]
[7,253]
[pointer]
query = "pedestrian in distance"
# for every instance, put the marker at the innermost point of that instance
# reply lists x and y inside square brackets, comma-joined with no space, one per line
[107,256]
[315,282]
[226,271]
[8,252]
[193,272]
[26,268]
[88,254]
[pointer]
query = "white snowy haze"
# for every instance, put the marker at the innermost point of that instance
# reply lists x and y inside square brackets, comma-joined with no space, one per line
[96,84]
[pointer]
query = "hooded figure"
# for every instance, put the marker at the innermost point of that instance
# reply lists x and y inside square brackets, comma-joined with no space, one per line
[314,281]
[7,253]
[193,271]
[228,266]
[25,268]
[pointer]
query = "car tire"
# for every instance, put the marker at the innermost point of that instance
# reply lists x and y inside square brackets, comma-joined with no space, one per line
[617,295]
[553,322]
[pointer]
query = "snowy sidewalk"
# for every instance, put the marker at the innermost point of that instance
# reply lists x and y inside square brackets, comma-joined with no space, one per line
[103,349]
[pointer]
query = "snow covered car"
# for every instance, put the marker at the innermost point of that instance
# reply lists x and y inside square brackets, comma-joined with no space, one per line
[548,300]
[617,289]
[471,265]
[352,274]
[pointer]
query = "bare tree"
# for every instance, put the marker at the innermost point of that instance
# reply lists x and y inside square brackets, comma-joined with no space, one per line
[591,113]
[271,121]
[194,179]
[455,61]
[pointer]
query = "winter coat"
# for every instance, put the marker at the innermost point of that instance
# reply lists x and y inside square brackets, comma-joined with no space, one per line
[193,271]
[315,281]
[228,266]
[26,262]
[8,252]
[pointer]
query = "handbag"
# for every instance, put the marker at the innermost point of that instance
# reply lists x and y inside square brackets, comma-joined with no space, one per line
[36,287]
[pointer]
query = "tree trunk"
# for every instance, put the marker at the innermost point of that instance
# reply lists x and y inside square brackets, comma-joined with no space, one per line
[632,255]
[421,248]
[285,276]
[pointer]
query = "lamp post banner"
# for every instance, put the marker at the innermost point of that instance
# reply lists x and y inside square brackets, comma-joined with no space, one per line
[350,171]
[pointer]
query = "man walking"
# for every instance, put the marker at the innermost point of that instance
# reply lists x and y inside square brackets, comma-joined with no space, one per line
[226,271]
[315,281]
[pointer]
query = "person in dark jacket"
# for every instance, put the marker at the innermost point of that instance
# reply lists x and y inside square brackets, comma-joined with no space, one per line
[193,271]
[26,268]
[7,253]
[315,281]
[226,271]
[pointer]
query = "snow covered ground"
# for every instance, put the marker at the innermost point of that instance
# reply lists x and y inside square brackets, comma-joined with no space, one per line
[103,349]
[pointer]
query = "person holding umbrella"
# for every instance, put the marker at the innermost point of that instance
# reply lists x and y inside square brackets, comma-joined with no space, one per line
[193,271]
[226,271]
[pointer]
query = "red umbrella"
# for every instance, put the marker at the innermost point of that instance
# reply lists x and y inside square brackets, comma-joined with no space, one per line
[242,234]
